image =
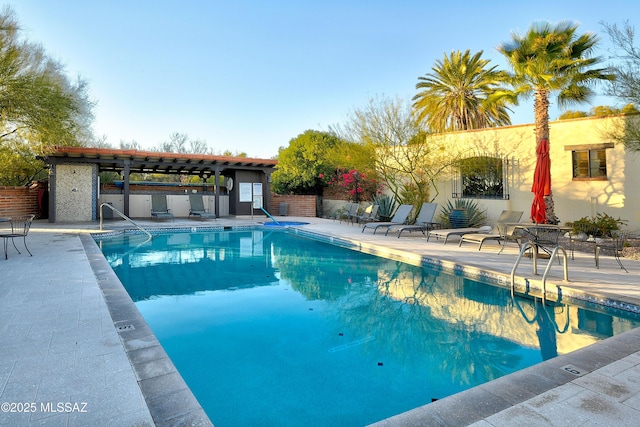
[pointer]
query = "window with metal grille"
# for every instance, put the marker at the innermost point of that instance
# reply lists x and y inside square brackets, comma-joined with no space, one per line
[482,177]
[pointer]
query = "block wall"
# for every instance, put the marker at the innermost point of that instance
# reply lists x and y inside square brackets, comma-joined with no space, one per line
[304,206]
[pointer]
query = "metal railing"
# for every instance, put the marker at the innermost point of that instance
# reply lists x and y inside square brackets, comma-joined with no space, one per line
[534,255]
[123,216]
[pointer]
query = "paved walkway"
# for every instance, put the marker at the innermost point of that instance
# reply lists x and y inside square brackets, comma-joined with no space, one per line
[75,352]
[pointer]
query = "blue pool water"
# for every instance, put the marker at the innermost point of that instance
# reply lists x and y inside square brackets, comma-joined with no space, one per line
[268,328]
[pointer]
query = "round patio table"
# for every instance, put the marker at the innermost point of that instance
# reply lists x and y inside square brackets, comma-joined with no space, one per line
[4,219]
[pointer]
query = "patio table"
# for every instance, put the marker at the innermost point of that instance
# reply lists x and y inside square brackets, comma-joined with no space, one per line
[2,220]
[541,235]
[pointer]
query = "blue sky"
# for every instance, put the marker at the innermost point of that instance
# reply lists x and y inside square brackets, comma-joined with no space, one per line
[250,75]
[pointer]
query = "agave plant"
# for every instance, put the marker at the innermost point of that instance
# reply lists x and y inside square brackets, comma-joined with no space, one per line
[476,216]
[386,206]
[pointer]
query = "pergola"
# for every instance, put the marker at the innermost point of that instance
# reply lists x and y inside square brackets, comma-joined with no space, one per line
[126,162]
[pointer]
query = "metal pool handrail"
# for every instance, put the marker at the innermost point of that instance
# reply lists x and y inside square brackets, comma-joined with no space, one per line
[269,215]
[534,256]
[126,218]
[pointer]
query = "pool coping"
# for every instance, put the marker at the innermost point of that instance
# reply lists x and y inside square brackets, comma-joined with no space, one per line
[168,397]
[482,401]
[157,374]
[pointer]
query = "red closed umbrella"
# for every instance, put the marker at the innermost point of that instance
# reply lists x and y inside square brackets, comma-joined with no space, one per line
[541,183]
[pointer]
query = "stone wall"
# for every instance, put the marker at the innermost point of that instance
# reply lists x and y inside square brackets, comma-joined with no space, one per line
[75,192]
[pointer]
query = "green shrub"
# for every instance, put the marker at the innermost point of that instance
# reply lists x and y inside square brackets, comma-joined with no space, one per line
[601,225]
[477,217]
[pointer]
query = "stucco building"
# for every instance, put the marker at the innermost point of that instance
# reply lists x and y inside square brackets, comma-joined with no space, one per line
[590,172]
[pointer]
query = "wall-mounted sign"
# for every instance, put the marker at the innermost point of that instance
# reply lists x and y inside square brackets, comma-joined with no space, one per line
[245,194]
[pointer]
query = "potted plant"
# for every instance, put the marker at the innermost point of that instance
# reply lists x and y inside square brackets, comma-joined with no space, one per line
[462,213]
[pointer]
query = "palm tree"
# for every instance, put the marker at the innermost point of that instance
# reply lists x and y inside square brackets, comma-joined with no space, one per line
[553,59]
[459,94]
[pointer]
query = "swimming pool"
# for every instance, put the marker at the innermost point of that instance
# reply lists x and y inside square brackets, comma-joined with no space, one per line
[268,328]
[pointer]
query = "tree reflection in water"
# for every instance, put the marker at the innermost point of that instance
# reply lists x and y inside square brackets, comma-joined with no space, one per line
[394,302]
[474,332]
[434,333]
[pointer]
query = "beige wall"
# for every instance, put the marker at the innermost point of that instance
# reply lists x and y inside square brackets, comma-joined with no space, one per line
[140,204]
[74,192]
[618,196]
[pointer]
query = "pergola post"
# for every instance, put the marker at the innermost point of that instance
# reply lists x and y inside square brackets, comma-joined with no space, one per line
[52,190]
[125,180]
[217,191]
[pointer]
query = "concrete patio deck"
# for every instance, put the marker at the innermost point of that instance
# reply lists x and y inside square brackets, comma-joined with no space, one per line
[74,350]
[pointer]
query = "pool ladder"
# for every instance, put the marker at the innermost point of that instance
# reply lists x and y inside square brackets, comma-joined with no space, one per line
[534,256]
[123,216]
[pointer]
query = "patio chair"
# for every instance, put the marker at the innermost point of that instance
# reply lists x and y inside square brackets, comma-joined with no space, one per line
[399,218]
[369,214]
[616,245]
[19,228]
[342,212]
[501,232]
[424,221]
[350,210]
[542,236]
[159,208]
[509,233]
[196,207]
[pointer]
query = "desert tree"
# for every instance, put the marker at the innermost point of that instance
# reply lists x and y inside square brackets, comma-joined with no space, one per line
[408,159]
[626,86]
[40,106]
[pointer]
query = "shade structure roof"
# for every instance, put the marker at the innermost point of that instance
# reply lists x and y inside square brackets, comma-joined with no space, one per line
[139,161]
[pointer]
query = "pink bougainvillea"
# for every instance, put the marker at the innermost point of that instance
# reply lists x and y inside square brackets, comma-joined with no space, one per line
[354,182]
